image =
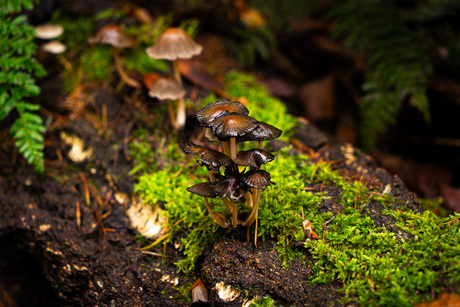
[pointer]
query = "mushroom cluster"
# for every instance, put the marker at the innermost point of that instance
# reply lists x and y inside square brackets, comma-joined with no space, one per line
[242,179]
[173,45]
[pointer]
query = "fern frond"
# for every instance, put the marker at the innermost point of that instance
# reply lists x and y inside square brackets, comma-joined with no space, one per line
[17,68]
[397,63]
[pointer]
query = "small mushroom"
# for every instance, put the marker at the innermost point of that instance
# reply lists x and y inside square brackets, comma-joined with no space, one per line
[199,292]
[213,159]
[258,180]
[231,125]
[54,47]
[263,132]
[230,186]
[205,190]
[113,36]
[175,44]
[167,88]
[254,157]
[213,110]
[48,31]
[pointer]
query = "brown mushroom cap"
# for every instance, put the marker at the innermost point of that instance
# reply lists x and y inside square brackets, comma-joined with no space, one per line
[166,88]
[202,189]
[263,132]
[213,159]
[174,44]
[213,110]
[230,186]
[48,31]
[112,35]
[232,125]
[254,157]
[258,179]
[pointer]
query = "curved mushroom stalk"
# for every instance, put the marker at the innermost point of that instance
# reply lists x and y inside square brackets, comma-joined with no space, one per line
[121,72]
[235,215]
[255,208]
[216,216]
[181,114]
[172,118]
[257,180]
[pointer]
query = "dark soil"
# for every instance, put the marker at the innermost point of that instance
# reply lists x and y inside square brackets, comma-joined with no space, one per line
[90,261]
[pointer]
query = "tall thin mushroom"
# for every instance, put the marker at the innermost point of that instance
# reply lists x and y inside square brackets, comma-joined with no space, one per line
[172,45]
[113,36]
[167,88]
[259,180]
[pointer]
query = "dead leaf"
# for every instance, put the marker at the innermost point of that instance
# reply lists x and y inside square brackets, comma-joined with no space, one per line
[149,80]
[198,75]
[451,196]
[445,300]
[318,99]
[279,88]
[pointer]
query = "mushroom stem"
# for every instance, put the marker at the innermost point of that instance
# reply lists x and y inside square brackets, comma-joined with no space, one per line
[249,201]
[255,207]
[255,231]
[176,72]
[181,114]
[233,148]
[121,72]
[202,134]
[226,148]
[218,218]
[235,215]
[171,114]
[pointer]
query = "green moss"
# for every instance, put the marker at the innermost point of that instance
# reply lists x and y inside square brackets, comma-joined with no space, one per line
[265,301]
[377,269]
[138,60]
[77,29]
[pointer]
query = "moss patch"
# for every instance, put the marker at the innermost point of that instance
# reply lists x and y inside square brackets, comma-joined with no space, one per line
[376,267]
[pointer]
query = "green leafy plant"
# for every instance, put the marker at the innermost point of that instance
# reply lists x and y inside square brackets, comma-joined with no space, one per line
[16,81]
[397,59]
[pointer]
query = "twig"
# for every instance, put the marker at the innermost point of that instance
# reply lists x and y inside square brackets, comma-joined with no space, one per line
[327,222]
[78,215]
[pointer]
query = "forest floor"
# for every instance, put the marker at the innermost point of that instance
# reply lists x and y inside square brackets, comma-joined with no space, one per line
[66,236]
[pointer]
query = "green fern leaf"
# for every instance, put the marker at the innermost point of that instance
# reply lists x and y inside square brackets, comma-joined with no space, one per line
[17,68]
[397,63]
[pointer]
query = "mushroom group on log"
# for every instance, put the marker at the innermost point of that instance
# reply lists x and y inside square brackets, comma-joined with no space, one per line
[243,180]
